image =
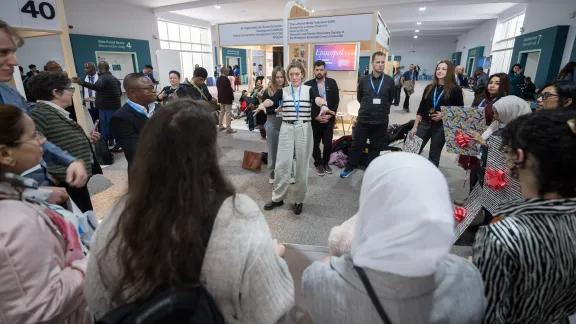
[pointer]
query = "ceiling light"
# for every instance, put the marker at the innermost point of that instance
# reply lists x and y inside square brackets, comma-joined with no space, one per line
[217,6]
[415,36]
[418,23]
[312,11]
[417,31]
[422,8]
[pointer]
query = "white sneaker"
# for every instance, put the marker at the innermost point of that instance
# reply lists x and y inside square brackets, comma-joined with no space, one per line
[292,181]
[271,181]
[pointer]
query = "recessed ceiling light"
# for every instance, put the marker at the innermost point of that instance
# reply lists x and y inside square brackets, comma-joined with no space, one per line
[417,31]
[422,8]
[419,23]
[415,36]
[312,11]
[217,6]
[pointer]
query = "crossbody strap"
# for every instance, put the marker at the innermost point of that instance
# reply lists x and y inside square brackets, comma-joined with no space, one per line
[372,295]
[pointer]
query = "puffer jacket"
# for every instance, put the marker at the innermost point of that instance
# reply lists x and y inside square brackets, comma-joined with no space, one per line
[108,89]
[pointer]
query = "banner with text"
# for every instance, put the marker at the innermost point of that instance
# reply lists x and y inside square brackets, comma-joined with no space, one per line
[350,28]
[382,34]
[252,33]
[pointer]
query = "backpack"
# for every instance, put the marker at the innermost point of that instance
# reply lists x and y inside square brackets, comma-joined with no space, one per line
[192,305]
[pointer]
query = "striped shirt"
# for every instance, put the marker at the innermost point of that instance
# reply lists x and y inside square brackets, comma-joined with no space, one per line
[306,95]
[528,262]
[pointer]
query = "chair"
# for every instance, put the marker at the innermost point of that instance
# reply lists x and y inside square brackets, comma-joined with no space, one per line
[352,108]
[341,115]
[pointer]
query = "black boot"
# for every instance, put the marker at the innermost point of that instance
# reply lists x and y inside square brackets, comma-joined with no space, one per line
[272,204]
[298,208]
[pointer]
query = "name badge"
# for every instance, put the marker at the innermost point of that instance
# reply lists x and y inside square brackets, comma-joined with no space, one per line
[297,124]
[376,101]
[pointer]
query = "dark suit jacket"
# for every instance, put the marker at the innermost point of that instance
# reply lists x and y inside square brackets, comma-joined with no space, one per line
[332,93]
[126,125]
[225,91]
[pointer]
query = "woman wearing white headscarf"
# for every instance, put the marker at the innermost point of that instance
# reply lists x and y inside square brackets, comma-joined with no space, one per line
[402,239]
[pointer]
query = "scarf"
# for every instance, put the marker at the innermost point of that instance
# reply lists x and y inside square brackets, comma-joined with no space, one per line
[508,109]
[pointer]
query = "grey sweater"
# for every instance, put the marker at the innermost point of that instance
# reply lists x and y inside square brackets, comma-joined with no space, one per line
[248,280]
[335,294]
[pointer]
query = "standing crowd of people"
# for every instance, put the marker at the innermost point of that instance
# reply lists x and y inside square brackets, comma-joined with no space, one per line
[181,245]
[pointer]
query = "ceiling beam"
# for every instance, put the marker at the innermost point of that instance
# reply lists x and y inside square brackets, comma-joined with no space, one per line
[196,4]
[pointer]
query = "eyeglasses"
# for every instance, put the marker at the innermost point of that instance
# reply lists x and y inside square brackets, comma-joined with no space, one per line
[545,96]
[71,89]
[38,137]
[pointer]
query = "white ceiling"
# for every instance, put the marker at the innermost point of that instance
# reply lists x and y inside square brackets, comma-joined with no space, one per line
[441,17]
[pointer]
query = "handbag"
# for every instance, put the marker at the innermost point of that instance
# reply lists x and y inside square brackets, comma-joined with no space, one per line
[252,161]
[372,295]
[409,86]
[102,154]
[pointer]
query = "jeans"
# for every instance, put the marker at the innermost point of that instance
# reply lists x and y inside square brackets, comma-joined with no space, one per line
[322,133]
[406,100]
[104,125]
[378,136]
[435,133]
[397,92]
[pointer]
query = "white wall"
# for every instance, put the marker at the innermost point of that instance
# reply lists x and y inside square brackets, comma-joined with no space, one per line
[545,15]
[479,36]
[179,19]
[39,50]
[91,17]
[428,50]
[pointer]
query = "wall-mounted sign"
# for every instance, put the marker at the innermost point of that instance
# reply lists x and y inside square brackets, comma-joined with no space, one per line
[340,57]
[350,28]
[252,33]
[36,14]
[397,58]
[383,34]
[258,53]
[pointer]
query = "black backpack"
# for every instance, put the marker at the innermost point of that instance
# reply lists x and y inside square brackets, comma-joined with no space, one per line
[178,306]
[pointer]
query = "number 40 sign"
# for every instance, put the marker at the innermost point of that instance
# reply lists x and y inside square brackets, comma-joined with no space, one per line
[35,14]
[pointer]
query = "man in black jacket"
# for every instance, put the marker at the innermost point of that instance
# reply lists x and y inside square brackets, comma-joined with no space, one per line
[375,94]
[323,126]
[127,123]
[107,101]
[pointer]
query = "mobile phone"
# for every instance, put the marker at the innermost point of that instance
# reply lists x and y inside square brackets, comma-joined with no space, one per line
[96,125]
[169,91]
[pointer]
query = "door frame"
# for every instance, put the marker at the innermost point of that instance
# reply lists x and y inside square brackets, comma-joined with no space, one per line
[472,67]
[134,57]
[537,64]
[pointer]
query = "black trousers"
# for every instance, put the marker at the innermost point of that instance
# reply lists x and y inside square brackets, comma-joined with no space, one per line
[397,92]
[80,196]
[322,133]
[378,136]
[435,133]
[406,100]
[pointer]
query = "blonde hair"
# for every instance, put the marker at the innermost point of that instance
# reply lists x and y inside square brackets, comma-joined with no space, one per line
[18,40]
[298,65]
[273,87]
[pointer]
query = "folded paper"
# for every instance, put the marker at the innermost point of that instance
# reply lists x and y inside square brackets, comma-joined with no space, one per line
[463,120]
[495,179]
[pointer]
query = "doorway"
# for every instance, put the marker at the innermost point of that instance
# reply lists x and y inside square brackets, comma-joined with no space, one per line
[529,62]
[471,66]
[121,64]
[278,55]
[232,61]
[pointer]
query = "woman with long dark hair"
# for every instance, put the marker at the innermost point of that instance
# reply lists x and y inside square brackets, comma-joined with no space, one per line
[516,80]
[443,91]
[272,100]
[42,266]
[175,228]
[557,95]
[528,259]
[567,72]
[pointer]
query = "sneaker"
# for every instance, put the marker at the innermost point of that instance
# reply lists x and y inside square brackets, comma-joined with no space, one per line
[271,181]
[292,181]
[298,208]
[320,170]
[328,169]
[231,131]
[346,173]
[272,204]
[221,128]
[117,150]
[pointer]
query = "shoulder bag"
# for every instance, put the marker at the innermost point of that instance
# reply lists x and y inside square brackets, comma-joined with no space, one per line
[372,295]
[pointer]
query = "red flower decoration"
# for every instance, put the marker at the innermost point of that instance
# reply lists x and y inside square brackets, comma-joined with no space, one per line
[495,179]
[460,214]
[463,140]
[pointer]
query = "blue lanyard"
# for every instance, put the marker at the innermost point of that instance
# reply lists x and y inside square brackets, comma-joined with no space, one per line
[296,103]
[138,110]
[379,87]
[437,99]
[170,95]
[484,100]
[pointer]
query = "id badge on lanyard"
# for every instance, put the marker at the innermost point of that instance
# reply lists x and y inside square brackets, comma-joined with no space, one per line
[297,106]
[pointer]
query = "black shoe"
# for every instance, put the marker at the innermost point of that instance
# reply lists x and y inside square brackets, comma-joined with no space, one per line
[328,169]
[407,110]
[298,208]
[320,170]
[272,204]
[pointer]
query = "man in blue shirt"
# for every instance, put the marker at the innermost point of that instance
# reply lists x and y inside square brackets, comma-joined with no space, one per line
[408,81]
[76,175]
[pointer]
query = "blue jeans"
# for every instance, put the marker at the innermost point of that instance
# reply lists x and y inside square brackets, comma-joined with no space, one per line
[104,125]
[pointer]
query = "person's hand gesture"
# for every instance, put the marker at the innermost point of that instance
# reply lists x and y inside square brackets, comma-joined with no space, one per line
[437,116]
[325,110]
[57,195]
[76,80]
[94,137]
[162,95]
[76,175]
[279,109]
[413,131]
[476,137]
[279,248]
[86,99]
[174,95]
